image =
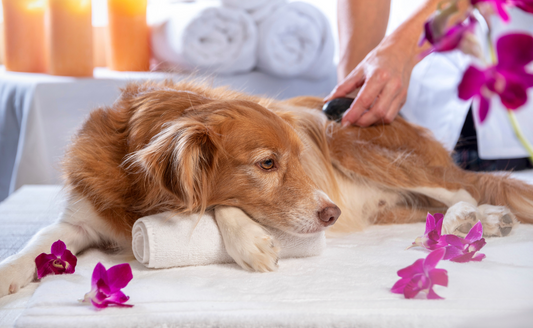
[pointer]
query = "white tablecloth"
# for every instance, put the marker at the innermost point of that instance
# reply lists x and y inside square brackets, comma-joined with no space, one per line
[39,113]
[347,286]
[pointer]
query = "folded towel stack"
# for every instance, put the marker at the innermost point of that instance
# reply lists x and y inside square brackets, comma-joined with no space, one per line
[295,40]
[173,240]
[232,36]
[203,36]
[258,9]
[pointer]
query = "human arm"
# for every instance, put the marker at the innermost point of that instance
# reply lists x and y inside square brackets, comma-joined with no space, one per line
[383,75]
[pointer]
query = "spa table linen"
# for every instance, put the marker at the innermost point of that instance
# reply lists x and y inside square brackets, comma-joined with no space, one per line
[39,113]
[347,286]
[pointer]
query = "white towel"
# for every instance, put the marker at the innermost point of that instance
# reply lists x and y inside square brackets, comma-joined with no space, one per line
[172,240]
[257,9]
[205,36]
[296,41]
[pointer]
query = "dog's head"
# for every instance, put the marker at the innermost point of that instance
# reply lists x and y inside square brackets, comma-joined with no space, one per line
[237,153]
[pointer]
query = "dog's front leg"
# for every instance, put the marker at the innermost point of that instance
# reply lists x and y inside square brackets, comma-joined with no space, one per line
[78,227]
[246,241]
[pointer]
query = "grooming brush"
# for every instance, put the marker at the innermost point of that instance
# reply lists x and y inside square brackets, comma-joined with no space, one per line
[336,107]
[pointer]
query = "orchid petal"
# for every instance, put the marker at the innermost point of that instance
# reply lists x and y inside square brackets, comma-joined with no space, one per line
[430,223]
[514,50]
[475,233]
[463,258]
[411,270]
[99,273]
[433,296]
[433,259]
[501,11]
[478,257]
[451,252]
[440,219]
[455,241]
[525,5]
[103,287]
[439,277]
[43,264]
[477,245]
[71,260]
[473,80]
[484,105]
[58,248]
[415,285]
[119,276]
[399,286]
[118,297]
[514,95]
[99,305]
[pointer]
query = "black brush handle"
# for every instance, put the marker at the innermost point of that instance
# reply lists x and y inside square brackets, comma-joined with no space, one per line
[336,107]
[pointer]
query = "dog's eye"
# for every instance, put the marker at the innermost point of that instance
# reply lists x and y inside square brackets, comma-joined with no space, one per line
[267,164]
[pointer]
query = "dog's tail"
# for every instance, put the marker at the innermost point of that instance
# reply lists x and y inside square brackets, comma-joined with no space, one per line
[501,189]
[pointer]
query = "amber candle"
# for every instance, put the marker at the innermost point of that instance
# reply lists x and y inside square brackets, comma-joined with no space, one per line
[128,43]
[69,37]
[99,46]
[24,35]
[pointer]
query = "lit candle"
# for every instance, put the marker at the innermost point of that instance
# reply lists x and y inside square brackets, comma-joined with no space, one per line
[69,37]
[99,46]
[24,35]
[128,48]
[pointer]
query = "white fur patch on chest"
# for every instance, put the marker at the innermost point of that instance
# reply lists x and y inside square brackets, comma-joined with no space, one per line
[361,202]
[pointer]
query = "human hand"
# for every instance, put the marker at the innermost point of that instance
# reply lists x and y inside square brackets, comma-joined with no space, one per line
[383,77]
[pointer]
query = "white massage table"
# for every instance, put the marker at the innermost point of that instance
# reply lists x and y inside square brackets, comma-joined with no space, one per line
[348,286]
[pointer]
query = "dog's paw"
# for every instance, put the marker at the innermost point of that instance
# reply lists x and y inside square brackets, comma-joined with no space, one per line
[15,273]
[498,221]
[254,249]
[460,218]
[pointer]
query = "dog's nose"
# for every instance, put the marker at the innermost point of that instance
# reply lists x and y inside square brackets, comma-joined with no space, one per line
[329,215]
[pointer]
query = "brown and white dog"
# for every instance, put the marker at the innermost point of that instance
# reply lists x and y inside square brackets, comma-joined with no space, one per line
[187,148]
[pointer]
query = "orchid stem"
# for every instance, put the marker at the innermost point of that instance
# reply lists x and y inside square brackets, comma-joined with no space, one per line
[518,132]
[512,118]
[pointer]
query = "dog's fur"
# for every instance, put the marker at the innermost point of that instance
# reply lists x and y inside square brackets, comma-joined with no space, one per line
[188,148]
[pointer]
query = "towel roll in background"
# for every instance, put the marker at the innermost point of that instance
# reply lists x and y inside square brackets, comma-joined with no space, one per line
[173,240]
[257,9]
[205,36]
[296,41]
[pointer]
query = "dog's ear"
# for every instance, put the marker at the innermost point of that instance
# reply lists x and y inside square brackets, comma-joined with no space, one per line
[182,159]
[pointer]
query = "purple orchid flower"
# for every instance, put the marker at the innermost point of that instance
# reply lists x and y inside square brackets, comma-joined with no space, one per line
[508,78]
[432,238]
[443,39]
[421,276]
[465,249]
[499,6]
[107,284]
[59,262]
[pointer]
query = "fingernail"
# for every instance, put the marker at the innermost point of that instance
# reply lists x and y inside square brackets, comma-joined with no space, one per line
[345,124]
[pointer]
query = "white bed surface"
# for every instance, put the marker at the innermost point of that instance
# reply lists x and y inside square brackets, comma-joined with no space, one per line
[348,286]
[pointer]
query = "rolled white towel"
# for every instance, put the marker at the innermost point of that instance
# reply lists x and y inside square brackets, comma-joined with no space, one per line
[205,36]
[296,41]
[172,240]
[258,9]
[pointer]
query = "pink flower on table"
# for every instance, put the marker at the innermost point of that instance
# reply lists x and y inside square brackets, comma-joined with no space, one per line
[508,78]
[432,238]
[59,262]
[421,276]
[107,284]
[465,249]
